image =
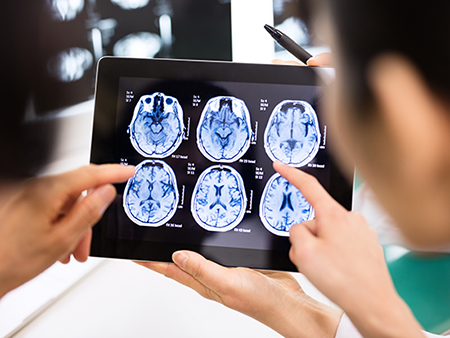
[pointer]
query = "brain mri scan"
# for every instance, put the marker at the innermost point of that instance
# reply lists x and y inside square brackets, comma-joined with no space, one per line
[282,205]
[224,130]
[292,134]
[156,129]
[150,197]
[219,200]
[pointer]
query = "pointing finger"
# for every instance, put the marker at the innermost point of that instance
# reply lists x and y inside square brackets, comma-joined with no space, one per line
[92,176]
[308,185]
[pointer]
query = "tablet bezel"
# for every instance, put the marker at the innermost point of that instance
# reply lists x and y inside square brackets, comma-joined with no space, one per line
[109,72]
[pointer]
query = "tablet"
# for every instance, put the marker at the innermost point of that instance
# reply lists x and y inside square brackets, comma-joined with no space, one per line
[203,136]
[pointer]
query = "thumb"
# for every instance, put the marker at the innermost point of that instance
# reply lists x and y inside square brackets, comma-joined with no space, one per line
[320,60]
[206,272]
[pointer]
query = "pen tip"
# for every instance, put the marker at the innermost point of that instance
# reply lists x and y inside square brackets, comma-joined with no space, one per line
[269,28]
[272,31]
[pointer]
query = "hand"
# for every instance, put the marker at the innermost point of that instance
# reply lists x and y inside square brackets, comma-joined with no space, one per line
[336,244]
[48,219]
[319,60]
[339,253]
[273,298]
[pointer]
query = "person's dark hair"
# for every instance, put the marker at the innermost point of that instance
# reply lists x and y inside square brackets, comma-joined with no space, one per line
[24,146]
[415,29]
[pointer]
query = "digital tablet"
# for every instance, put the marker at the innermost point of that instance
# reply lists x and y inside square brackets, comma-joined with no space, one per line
[203,136]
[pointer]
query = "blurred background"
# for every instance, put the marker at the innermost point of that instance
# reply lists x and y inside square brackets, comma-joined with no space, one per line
[75,34]
[72,35]
[294,18]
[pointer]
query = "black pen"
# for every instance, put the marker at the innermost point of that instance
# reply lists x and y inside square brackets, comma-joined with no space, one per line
[287,43]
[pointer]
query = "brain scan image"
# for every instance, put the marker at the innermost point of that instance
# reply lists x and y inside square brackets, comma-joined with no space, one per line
[292,134]
[151,196]
[156,129]
[283,205]
[219,200]
[224,131]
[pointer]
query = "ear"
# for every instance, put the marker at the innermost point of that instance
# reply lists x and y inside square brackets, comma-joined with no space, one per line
[415,119]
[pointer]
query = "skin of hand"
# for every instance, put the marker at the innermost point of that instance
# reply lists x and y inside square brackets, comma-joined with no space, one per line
[273,298]
[340,254]
[319,60]
[48,218]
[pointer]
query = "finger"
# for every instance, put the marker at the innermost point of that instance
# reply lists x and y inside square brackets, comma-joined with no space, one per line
[210,274]
[65,259]
[323,59]
[308,185]
[88,177]
[86,212]
[281,62]
[81,252]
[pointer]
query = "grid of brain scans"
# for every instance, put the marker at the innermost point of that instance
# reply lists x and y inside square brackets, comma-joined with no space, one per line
[204,153]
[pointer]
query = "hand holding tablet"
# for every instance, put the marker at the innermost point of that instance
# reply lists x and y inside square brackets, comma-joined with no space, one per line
[203,136]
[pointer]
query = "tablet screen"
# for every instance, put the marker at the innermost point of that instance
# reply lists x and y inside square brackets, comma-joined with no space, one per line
[203,147]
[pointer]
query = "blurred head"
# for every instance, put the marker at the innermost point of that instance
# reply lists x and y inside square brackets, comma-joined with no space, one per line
[24,143]
[391,106]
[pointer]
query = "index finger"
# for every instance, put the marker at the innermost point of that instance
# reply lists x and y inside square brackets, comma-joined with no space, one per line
[308,185]
[93,176]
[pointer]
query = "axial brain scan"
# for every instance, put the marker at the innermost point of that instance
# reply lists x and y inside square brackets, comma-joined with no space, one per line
[224,131]
[156,129]
[219,200]
[292,134]
[150,197]
[283,205]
